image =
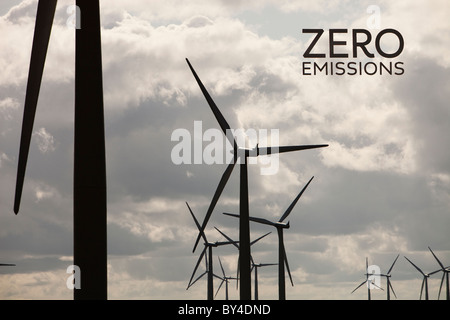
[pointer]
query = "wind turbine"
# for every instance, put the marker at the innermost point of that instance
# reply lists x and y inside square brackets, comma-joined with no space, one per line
[243,154]
[224,279]
[388,280]
[445,272]
[368,282]
[424,281]
[89,189]
[208,247]
[280,226]
[256,266]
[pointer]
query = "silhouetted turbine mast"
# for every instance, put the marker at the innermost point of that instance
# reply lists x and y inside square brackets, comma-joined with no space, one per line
[256,266]
[242,154]
[89,146]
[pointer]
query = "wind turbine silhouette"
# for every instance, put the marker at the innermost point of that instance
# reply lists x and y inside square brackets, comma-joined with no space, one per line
[208,247]
[388,280]
[280,225]
[242,154]
[256,266]
[89,192]
[224,279]
[424,281]
[445,272]
[368,282]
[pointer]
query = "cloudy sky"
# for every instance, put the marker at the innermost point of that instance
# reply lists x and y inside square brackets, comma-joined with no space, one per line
[381,188]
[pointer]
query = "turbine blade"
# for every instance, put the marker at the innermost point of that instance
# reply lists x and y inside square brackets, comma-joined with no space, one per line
[288,211]
[418,269]
[44,20]
[254,219]
[287,266]
[282,149]
[196,265]
[218,277]
[390,286]
[7,265]
[431,273]
[219,117]
[421,289]
[390,269]
[220,286]
[267,264]
[196,223]
[224,243]
[220,187]
[198,278]
[254,241]
[221,267]
[440,263]
[442,282]
[235,243]
[367,267]
[373,283]
[358,286]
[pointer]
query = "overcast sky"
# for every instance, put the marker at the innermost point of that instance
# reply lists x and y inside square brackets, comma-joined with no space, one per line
[380,189]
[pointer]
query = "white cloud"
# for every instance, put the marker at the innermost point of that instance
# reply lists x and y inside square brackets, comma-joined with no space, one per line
[45,140]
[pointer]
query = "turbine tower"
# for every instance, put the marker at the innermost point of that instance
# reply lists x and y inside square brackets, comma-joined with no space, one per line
[225,279]
[208,247]
[368,282]
[242,154]
[89,216]
[424,281]
[256,266]
[445,272]
[280,226]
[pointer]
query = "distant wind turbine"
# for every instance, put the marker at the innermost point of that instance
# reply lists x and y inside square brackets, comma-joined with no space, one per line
[368,282]
[388,280]
[225,279]
[89,190]
[241,153]
[256,266]
[445,272]
[424,281]
[280,226]
[208,247]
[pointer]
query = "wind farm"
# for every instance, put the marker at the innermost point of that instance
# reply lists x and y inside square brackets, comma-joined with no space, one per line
[242,154]
[146,221]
